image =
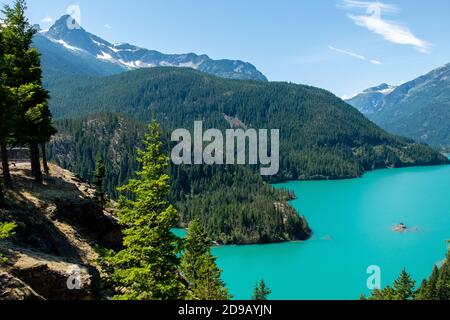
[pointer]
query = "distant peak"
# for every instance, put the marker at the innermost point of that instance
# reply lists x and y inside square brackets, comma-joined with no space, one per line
[65,24]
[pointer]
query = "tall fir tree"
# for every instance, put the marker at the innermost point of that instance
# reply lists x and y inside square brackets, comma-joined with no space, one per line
[199,266]
[147,268]
[443,281]
[428,289]
[24,77]
[2,114]
[261,292]
[99,177]
[404,287]
[6,118]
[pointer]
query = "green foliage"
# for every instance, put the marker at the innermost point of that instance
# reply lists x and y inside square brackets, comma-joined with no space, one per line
[30,119]
[111,137]
[437,287]
[261,292]
[147,268]
[321,136]
[99,176]
[404,287]
[233,203]
[6,231]
[199,268]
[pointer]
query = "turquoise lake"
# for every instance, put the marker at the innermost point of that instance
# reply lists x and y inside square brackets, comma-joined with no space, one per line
[352,222]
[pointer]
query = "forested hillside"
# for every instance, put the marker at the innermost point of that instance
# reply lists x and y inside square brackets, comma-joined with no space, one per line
[233,203]
[321,136]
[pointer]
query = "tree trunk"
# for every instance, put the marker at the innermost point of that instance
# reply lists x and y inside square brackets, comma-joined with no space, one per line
[5,165]
[44,159]
[35,163]
[2,196]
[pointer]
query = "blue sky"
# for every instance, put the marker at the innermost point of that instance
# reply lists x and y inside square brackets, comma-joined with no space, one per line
[344,46]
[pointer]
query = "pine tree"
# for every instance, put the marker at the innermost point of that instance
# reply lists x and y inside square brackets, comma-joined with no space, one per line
[24,76]
[423,293]
[6,117]
[261,292]
[99,176]
[443,281]
[199,266]
[404,287]
[147,268]
[385,294]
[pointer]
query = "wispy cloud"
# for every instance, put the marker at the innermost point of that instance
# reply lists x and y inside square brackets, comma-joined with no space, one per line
[47,19]
[391,31]
[107,26]
[354,55]
[349,53]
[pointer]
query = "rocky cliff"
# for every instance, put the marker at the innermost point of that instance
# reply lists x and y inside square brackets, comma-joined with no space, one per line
[54,252]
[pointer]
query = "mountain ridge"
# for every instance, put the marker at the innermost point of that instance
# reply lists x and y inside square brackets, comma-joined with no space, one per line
[104,58]
[414,109]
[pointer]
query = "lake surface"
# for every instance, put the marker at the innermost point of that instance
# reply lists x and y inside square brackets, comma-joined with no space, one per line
[352,222]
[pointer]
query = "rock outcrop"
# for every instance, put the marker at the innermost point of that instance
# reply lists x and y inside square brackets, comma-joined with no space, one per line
[53,253]
[12,288]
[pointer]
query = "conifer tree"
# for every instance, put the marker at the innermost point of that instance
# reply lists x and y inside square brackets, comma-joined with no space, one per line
[6,117]
[199,266]
[99,176]
[261,292]
[24,76]
[404,287]
[443,282]
[147,268]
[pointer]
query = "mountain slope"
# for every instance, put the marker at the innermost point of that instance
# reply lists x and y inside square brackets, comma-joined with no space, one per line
[419,109]
[370,100]
[321,136]
[233,203]
[77,51]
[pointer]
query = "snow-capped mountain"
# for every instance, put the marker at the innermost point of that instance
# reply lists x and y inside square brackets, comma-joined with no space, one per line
[371,100]
[416,109]
[62,46]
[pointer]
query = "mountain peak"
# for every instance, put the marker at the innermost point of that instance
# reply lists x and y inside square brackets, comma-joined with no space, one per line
[63,26]
[383,88]
[68,33]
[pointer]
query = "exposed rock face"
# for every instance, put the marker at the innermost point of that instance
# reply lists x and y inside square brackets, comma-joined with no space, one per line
[12,288]
[52,254]
[54,278]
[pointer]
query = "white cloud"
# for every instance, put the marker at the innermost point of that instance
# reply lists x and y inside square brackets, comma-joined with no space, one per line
[107,26]
[349,53]
[47,19]
[354,55]
[391,31]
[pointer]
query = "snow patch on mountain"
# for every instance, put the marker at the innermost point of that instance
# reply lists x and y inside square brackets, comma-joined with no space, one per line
[127,56]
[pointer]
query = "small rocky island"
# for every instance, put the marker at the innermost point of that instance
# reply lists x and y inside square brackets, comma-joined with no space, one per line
[401,227]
